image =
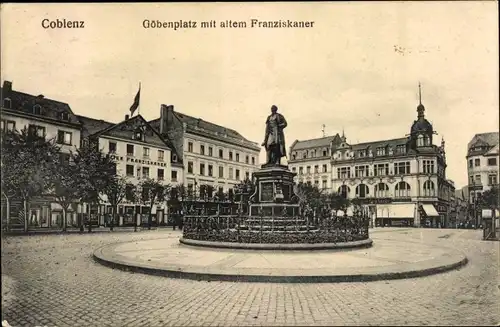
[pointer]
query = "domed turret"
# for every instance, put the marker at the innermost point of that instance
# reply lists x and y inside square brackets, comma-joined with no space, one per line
[421,130]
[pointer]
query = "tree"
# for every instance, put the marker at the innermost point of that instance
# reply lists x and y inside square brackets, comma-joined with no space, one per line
[337,202]
[309,194]
[96,171]
[489,198]
[152,192]
[27,164]
[66,189]
[116,191]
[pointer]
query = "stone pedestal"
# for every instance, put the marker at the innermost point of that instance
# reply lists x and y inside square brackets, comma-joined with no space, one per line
[273,184]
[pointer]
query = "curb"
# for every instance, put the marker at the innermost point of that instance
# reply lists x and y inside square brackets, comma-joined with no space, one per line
[278,247]
[457,262]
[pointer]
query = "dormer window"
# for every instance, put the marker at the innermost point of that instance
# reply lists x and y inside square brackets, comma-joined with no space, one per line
[174,157]
[37,109]
[7,103]
[65,116]
[138,135]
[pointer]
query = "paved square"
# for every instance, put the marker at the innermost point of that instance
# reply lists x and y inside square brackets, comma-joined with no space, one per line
[52,280]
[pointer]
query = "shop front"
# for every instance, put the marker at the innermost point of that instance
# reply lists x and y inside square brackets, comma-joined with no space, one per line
[395,215]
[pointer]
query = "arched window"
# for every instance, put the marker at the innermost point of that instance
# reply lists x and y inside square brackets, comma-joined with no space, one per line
[344,191]
[37,109]
[362,191]
[429,189]
[304,155]
[7,103]
[402,190]
[381,190]
[420,140]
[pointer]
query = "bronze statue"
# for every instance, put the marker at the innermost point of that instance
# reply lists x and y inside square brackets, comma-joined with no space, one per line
[274,140]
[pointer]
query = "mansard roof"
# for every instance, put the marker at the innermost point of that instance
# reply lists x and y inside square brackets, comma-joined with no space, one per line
[204,128]
[314,143]
[24,103]
[92,125]
[485,140]
[377,144]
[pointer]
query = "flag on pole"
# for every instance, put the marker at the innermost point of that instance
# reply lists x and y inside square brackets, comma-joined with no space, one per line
[137,98]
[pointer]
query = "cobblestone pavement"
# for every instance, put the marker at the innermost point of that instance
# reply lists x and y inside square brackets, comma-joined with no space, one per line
[52,280]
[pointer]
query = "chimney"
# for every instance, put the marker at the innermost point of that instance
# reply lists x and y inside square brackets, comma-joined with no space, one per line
[165,116]
[7,87]
[41,96]
[126,117]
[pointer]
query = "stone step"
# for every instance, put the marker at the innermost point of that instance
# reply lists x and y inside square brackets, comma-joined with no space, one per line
[289,220]
[280,231]
[269,227]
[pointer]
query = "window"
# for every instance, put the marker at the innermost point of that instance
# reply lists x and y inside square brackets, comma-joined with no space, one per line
[230,155]
[294,169]
[344,172]
[173,175]
[304,155]
[202,169]
[230,173]
[308,169]
[477,179]
[362,153]
[237,174]
[401,149]
[138,135]
[381,169]
[402,190]
[7,103]
[237,157]
[130,149]
[492,161]
[429,189]
[402,168]
[190,146]
[477,162]
[221,172]
[247,159]
[112,147]
[210,151]
[381,190]
[130,170]
[190,167]
[323,184]
[129,192]
[145,172]
[420,140]
[344,191]
[427,141]
[428,166]
[316,182]
[161,155]
[64,137]
[64,116]
[210,170]
[492,179]
[380,151]
[361,171]
[325,168]
[202,149]
[174,157]
[316,169]
[362,191]
[471,163]
[11,125]
[247,175]
[37,109]
[471,179]
[221,153]
[161,174]
[301,170]
[37,130]
[253,160]
[325,153]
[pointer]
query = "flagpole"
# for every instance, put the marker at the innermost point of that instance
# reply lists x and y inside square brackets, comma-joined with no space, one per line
[139,105]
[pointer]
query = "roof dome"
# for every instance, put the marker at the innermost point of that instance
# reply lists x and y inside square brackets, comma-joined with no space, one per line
[421,125]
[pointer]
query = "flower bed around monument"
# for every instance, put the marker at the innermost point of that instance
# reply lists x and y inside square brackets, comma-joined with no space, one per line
[228,229]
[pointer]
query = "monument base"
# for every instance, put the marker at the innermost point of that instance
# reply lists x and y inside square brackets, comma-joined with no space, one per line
[273,184]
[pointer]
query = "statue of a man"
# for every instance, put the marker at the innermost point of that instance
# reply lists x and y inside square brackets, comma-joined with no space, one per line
[274,140]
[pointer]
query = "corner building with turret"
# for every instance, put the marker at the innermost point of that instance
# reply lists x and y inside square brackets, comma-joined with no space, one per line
[401,181]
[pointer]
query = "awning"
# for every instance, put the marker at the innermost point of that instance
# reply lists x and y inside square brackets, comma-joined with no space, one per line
[430,211]
[487,213]
[396,211]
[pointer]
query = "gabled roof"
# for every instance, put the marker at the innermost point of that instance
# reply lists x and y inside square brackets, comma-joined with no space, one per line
[314,143]
[126,128]
[200,126]
[24,103]
[486,140]
[494,151]
[92,126]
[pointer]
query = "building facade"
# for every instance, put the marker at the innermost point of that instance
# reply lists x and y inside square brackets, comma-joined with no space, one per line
[212,155]
[140,153]
[311,160]
[482,167]
[45,117]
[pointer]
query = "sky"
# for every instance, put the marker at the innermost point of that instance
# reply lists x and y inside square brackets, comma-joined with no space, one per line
[357,69]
